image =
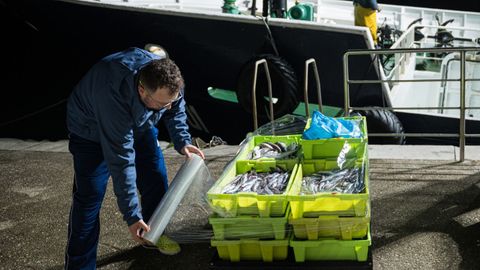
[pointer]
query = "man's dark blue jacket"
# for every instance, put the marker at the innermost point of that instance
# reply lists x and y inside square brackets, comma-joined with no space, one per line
[105,107]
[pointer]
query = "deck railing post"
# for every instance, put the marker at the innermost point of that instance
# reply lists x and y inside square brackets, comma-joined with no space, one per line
[462,106]
[346,82]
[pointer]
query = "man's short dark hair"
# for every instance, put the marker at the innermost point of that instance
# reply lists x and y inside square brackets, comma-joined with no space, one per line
[162,73]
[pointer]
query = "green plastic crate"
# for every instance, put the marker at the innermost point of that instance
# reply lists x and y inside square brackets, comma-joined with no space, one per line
[330,148]
[326,203]
[330,249]
[251,249]
[344,228]
[250,203]
[256,140]
[249,227]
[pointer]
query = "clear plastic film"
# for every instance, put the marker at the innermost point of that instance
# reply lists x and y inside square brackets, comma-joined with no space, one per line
[250,200]
[279,228]
[183,212]
[194,220]
[285,125]
[254,227]
[348,177]
[250,226]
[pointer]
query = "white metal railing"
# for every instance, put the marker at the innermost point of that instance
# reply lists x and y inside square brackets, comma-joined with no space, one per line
[462,80]
[407,40]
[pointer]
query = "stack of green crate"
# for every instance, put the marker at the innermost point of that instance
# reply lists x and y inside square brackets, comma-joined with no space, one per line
[329,225]
[247,225]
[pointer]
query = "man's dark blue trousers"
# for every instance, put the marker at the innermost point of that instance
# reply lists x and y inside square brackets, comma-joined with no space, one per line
[90,183]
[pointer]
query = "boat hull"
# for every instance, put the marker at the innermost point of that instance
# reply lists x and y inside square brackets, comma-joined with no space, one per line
[59,41]
[423,123]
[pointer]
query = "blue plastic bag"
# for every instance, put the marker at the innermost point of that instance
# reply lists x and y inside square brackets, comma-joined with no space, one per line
[324,127]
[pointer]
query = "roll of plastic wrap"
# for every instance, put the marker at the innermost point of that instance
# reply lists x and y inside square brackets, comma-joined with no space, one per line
[188,173]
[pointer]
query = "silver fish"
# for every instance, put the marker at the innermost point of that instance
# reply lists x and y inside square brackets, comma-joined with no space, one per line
[342,181]
[278,150]
[274,182]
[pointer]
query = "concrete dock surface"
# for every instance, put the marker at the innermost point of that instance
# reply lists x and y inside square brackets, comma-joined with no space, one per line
[425,209]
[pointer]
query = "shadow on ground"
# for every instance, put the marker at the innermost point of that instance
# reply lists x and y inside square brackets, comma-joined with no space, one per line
[437,217]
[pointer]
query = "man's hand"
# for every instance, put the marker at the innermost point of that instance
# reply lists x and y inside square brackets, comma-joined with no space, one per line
[189,149]
[137,230]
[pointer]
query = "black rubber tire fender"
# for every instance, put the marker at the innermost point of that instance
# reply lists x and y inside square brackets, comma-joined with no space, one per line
[382,121]
[284,86]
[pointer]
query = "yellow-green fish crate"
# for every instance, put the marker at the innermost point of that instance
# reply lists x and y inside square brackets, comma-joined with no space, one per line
[250,203]
[252,249]
[331,147]
[249,227]
[331,249]
[343,228]
[327,203]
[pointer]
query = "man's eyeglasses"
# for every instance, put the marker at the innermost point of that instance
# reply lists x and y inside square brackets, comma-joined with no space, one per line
[162,105]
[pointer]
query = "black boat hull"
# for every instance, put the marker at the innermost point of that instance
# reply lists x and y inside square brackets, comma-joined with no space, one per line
[423,123]
[59,41]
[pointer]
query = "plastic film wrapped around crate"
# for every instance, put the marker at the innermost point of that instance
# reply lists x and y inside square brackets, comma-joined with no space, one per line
[192,174]
[285,125]
[247,227]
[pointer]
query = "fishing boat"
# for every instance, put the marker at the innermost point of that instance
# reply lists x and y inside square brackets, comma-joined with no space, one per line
[214,43]
[429,99]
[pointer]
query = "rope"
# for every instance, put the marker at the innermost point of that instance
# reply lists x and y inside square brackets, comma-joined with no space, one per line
[270,36]
[28,115]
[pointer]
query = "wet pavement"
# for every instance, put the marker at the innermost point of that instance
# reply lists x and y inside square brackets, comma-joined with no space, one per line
[425,210]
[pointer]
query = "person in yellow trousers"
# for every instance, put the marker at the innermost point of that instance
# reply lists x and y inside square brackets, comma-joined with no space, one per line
[366,15]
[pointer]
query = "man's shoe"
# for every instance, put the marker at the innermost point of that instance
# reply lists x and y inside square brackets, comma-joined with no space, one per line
[167,246]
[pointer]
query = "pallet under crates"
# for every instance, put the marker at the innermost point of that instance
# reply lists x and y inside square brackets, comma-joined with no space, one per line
[217,264]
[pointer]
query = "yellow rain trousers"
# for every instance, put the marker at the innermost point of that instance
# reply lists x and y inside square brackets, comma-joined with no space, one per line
[366,17]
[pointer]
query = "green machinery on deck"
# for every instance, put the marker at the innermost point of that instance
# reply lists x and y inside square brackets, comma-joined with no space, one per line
[300,11]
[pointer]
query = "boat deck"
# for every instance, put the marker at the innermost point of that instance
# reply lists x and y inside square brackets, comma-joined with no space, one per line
[425,210]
